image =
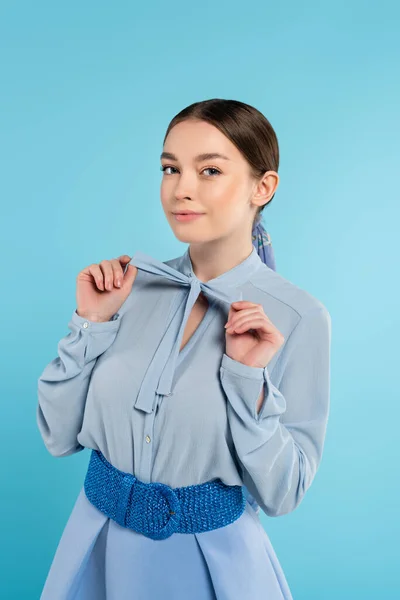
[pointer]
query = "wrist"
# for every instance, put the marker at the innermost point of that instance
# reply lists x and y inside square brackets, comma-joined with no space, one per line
[92,317]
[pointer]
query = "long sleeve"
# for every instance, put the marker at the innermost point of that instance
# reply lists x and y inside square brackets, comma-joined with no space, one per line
[63,385]
[280,447]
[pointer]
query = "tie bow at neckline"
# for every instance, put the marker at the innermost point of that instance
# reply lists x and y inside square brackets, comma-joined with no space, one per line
[159,375]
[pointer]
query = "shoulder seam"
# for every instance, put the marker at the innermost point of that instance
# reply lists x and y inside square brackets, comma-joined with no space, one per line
[275,298]
[317,305]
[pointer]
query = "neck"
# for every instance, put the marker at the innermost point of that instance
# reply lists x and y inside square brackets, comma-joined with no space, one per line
[212,259]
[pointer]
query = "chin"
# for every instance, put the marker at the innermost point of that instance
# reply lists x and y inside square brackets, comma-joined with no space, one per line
[188,238]
[190,235]
[187,232]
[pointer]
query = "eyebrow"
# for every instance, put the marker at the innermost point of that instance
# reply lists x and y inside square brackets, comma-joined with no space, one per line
[198,158]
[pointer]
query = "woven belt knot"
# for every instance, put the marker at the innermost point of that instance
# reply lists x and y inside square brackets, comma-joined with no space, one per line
[156,510]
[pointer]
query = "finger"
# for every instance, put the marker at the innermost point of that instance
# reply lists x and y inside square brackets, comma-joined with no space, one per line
[124,258]
[235,307]
[250,323]
[244,303]
[241,304]
[245,318]
[118,273]
[97,275]
[127,265]
[108,273]
[234,319]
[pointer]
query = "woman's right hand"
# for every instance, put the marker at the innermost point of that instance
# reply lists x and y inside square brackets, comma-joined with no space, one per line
[98,296]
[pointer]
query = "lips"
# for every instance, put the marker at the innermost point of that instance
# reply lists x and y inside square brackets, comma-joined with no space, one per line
[187,217]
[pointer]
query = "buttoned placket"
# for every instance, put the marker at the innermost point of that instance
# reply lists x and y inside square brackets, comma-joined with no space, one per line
[146,466]
[143,469]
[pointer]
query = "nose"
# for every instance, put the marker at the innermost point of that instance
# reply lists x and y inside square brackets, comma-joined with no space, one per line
[184,188]
[181,194]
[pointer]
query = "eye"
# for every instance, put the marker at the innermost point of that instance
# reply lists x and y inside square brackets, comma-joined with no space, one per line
[166,167]
[213,169]
[218,172]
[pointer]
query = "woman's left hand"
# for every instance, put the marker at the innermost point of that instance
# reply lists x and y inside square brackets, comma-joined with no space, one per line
[253,339]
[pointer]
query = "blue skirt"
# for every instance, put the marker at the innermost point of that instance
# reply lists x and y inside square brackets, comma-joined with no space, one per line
[97,559]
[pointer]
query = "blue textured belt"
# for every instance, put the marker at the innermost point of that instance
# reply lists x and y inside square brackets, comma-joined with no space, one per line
[156,510]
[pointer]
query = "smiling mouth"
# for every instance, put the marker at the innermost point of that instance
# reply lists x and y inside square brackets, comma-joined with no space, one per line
[187,217]
[187,212]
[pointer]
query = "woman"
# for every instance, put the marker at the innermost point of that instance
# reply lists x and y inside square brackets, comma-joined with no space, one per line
[201,385]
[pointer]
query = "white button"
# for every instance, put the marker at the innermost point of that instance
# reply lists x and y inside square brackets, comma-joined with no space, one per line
[148,439]
[86,325]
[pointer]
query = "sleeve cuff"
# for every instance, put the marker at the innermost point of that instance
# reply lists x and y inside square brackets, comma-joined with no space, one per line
[243,385]
[96,326]
[238,368]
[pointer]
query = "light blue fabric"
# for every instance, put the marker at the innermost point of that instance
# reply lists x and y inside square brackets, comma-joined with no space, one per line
[107,390]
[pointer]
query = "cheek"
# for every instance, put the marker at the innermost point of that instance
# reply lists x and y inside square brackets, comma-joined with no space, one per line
[227,203]
[164,196]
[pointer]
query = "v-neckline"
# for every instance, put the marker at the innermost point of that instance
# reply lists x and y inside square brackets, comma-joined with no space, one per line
[209,314]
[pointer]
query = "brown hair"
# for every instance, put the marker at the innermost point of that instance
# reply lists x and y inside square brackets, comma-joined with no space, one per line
[244,126]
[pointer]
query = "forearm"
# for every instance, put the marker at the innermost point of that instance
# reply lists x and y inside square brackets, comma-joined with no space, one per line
[64,383]
[279,432]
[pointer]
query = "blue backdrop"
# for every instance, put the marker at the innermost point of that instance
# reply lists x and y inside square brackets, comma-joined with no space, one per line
[88,90]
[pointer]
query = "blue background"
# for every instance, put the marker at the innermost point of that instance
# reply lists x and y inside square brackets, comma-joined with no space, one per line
[88,90]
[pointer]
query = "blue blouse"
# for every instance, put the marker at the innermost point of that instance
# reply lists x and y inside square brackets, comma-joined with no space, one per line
[187,417]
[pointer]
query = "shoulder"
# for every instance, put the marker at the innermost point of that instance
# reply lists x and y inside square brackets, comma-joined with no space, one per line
[301,317]
[284,302]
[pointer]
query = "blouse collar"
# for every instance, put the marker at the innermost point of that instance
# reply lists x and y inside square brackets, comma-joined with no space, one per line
[234,276]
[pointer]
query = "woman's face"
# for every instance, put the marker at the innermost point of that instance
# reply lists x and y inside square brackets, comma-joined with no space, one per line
[219,188]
